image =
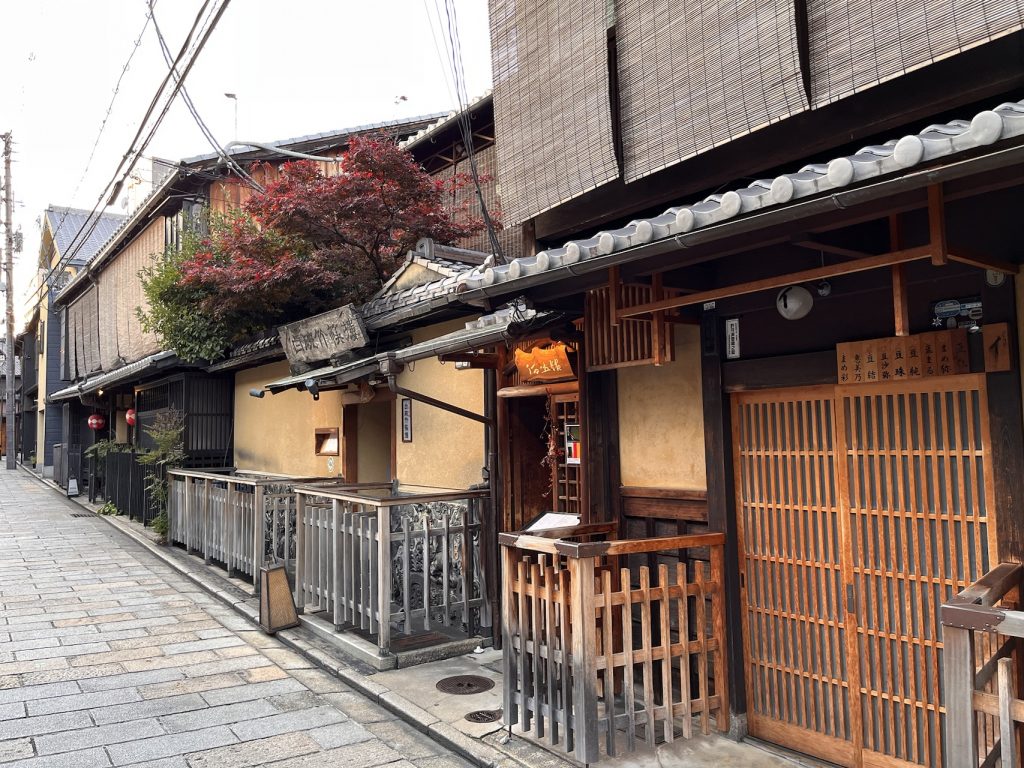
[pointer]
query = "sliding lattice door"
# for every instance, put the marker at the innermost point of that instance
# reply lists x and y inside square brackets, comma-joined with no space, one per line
[860,510]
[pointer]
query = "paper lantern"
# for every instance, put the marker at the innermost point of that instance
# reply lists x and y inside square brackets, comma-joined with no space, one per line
[129,416]
[97,421]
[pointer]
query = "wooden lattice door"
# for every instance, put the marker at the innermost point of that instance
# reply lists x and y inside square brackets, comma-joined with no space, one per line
[860,510]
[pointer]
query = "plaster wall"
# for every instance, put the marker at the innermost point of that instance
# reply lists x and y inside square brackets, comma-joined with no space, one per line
[447,450]
[661,420]
[275,433]
[373,422]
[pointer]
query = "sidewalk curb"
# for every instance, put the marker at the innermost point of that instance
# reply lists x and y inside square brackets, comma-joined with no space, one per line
[473,750]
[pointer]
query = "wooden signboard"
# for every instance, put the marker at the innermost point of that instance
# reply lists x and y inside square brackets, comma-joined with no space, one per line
[544,364]
[937,353]
[323,336]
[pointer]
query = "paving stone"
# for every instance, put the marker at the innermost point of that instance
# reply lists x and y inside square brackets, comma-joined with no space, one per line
[202,645]
[291,702]
[263,674]
[286,659]
[17,749]
[86,758]
[319,681]
[30,692]
[159,661]
[363,755]
[111,657]
[255,753]
[71,674]
[33,726]
[411,743]
[340,735]
[171,745]
[18,667]
[43,641]
[147,708]
[63,650]
[252,691]
[226,715]
[147,641]
[193,685]
[129,679]
[96,736]
[289,721]
[226,665]
[82,701]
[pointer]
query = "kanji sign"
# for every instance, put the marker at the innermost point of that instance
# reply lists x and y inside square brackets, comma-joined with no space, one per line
[544,364]
[939,353]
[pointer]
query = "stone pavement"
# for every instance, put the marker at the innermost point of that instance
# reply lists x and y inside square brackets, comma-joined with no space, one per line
[109,657]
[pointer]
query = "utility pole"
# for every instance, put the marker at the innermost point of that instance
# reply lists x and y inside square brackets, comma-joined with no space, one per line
[9,277]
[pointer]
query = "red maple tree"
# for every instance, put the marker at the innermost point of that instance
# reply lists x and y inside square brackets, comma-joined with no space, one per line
[311,240]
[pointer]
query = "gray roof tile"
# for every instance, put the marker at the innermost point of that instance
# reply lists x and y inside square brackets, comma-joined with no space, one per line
[66,223]
[935,141]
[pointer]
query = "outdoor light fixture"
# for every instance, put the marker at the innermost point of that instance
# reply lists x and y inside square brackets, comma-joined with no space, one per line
[256,392]
[794,302]
[462,365]
[311,386]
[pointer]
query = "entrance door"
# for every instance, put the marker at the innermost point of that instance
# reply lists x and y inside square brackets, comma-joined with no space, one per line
[860,510]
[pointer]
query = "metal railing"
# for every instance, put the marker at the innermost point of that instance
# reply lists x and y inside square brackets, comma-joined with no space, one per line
[392,560]
[982,635]
[237,518]
[605,646]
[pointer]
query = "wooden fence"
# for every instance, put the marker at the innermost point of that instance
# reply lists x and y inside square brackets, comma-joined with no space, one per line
[237,519]
[981,671]
[600,649]
[376,560]
[125,480]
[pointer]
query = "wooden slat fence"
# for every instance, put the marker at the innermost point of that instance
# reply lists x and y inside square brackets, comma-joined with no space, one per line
[981,671]
[239,520]
[602,652]
[404,564]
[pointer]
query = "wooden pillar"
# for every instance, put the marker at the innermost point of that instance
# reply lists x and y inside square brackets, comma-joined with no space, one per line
[491,510]
[958,686]
[599,406]
[722,496]
[584,660]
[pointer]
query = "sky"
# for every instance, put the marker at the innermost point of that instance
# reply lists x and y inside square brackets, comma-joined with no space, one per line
[297,68]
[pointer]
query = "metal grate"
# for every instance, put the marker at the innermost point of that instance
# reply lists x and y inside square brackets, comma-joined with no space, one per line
[484,716]
[465,685]
[82,514]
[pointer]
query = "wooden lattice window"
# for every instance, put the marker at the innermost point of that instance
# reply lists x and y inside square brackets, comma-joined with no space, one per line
[633,340]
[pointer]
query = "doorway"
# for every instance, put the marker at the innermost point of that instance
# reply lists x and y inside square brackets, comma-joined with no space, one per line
[860,509]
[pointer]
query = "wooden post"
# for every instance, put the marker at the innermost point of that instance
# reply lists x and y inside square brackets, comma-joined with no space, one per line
[659,331]
[720,633]
[1007,726]
[615,295]
[206,522]
[901,313]
[937,226]
[259,534]
[584,659]
[509,630]
[722,496]
[958,686]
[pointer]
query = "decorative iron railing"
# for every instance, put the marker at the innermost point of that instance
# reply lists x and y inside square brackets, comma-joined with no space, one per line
[982,636]
[392,560]
[601,649]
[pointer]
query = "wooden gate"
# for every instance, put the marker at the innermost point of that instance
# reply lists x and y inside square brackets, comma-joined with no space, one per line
[861,509]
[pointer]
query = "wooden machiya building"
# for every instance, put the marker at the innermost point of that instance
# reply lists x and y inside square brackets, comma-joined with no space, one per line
[817,361]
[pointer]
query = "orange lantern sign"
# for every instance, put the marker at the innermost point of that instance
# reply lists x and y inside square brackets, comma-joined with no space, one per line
[544,364]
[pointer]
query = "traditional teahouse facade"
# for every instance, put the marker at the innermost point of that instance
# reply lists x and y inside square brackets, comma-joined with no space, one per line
[821,365]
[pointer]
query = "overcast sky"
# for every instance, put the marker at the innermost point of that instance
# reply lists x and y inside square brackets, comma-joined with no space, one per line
[300,67]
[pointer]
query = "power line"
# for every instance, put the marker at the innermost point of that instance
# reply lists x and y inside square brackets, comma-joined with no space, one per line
[112,188]
[106,117]
[207,133]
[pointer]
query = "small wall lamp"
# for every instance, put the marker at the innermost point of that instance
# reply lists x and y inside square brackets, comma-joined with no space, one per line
[311,386]
[256,392]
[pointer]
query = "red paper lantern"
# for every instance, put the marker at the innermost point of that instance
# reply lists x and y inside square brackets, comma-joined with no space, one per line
[97,421]
[129,416]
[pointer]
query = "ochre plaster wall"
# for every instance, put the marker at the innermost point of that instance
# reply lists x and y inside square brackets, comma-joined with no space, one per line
[275,433]
[661,420]
[447,450]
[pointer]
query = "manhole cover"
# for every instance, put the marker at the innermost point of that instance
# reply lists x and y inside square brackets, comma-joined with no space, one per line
[463,685]
[82,514]
[484,716]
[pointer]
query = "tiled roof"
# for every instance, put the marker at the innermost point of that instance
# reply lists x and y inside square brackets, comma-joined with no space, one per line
[443,122]
[66,223]
[116,376]
[935,141]
[326,136]
[453,263]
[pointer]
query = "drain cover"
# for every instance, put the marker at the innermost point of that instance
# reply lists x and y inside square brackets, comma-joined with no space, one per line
[82,514]
[463,685]
[484,716]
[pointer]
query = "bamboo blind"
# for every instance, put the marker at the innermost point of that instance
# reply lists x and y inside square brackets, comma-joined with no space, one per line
[509,238]
[83,339]
[855,44]
[551,102]
[861,510]
[696,75]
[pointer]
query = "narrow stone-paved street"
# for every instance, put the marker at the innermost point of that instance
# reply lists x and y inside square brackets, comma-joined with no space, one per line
[109,657]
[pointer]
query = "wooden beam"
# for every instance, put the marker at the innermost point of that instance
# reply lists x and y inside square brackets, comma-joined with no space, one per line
[833,249]
[475,359]
[780,281]
[658,329]
[536,390]
[900,309]
[937,226]
[980,260]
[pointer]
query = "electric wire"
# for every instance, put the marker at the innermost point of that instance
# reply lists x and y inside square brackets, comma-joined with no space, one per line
[133,153]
